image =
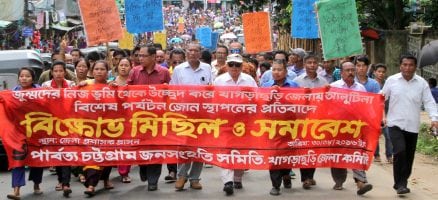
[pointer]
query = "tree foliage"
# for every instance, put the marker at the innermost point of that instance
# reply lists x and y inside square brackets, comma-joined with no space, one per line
[431,13]
[387,14]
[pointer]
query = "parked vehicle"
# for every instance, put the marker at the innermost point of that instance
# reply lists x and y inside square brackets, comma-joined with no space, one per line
[10,63]
[12,60]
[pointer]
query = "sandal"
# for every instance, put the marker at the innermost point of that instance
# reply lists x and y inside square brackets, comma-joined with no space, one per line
[13,196]
[108,186]
[58,187]
[126,179]
[338,187]
[90,192]
[52,170]
[37,190]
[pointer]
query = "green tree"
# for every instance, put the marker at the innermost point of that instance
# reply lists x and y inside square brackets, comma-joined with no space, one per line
[250,5]
[387,14]
[430,15]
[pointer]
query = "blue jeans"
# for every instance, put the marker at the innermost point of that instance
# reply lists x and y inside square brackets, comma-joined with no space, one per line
[195,170]
[388,144]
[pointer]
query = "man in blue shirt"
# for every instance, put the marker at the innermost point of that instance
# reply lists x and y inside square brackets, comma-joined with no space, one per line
[279,79]
[362,64]
[433,89]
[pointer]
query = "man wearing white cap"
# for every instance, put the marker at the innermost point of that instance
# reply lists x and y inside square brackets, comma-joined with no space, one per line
[234,77]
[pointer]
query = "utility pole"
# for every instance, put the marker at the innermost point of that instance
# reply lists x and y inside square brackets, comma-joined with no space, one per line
[26,21]
[26,13]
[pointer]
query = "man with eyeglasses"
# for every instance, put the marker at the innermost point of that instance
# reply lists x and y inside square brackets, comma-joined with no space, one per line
[339,175]
[192,72]
[267,76]
[234,77]
[149,73]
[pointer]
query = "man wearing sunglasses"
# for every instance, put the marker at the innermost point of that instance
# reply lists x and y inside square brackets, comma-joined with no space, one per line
[234,77]
[235,48]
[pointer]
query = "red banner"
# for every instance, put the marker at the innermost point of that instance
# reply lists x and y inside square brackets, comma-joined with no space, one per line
[231,127]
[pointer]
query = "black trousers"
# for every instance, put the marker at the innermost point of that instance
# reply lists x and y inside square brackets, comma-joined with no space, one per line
[172,167]
[106,172]
[92,177]
[277,176]
[36,174]
[150,173]
[404,145]
[64,175]
[307,173]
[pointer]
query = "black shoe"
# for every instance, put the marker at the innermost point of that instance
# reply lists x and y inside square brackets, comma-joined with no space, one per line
[228,188]
[152,187]
[238,185]
[90,193]
[67,192]
[403,190]
[275,191]
[287,182]
[364,189]
[170,178]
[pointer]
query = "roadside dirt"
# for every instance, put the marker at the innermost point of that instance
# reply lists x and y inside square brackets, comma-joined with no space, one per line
[425,171]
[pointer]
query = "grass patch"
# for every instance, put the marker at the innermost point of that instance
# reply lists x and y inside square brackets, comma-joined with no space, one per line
[427,144]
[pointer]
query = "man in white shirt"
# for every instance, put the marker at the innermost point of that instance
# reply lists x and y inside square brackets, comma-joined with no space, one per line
[192,72]
[339,175]
[406,92]
[221,57]
[234,77]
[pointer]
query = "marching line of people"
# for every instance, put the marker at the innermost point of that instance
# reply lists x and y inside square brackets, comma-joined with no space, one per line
[228,65]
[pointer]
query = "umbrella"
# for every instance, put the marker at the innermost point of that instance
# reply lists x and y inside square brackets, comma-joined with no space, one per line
[228,36]
[220,31]
[176,40]
[186,37]
[218,25]
[429,54]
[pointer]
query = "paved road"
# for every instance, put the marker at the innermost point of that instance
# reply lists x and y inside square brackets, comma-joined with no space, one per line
[256,186]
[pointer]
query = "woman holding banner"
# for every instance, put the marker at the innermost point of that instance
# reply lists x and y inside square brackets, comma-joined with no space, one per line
[95,173]
[58,72]
[123,69]
[26,77]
